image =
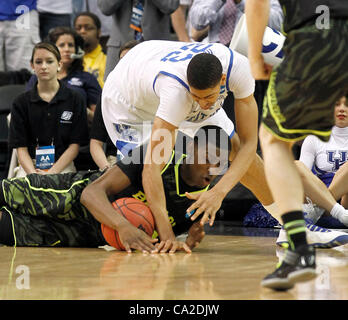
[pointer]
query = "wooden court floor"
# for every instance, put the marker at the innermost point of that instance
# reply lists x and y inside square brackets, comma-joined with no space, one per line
[228,265]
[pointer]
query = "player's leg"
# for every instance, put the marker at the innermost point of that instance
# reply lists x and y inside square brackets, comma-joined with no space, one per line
[21,230]
[325,198]
[56,195]
[285,183]
[339,186]
[296,105]
[319,194]
[344,201]
[282,175]
[316,190]
[2,196]
[255,180]
[339,190]
[6,233]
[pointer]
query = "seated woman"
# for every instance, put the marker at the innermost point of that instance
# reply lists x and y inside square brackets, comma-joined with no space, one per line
[326,186]
[101,148]
[326,158]
[49,122]
[70,46]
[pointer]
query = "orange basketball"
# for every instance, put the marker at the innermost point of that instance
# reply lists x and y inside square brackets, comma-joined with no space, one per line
[137,213]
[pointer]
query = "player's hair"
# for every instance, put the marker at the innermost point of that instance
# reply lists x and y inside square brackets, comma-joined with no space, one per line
[93,16]
[215,135]
[204,71]
[47,46]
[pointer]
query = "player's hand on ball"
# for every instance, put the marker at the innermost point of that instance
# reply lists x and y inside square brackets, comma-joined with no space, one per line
[207,203]
[133,238]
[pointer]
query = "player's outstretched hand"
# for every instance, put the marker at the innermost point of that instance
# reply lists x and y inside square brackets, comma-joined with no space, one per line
[133,238]
[207,203]
[171,246]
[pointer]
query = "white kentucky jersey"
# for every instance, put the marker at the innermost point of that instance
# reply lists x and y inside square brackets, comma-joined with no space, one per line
[326,157]
[150,80]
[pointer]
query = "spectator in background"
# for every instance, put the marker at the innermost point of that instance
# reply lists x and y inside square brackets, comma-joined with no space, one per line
[53,14]
[92,6]
[19,31]
[105,158]
[49,122]
[180,21]
[150,18]
[101,148]
[88,26]
[71,72]
[221,16]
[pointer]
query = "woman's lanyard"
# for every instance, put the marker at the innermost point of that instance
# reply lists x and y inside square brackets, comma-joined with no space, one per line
[45,155]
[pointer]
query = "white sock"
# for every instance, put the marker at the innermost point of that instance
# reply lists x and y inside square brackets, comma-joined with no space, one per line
[337,210]
[340,213]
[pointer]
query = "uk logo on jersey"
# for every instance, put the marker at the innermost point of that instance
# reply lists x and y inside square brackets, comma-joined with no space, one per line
[337,158]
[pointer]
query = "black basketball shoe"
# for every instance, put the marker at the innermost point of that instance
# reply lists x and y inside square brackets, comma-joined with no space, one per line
[297,266]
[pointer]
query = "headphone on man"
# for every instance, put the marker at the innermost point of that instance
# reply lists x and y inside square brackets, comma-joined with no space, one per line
[79,55]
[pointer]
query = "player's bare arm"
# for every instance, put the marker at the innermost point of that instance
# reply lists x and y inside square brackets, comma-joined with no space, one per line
[209,202]
[95,198]
[257,12]
[157,154]
[195,235]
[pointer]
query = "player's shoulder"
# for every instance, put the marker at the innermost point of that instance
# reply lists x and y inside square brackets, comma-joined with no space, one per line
[239,59]
[240,67]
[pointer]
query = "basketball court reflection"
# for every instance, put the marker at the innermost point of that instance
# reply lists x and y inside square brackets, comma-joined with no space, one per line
[222,267]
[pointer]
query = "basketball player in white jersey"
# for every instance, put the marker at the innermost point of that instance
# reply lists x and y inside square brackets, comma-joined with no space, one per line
[151,81]
[160,86]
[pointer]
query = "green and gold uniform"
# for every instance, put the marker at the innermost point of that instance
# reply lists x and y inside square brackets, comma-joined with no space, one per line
[303,89]
[45,210]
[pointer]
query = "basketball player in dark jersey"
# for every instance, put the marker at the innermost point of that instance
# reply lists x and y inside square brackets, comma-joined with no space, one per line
[298,102]
[67,209]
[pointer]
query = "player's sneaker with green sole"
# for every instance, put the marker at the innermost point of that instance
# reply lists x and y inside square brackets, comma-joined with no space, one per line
[297,266]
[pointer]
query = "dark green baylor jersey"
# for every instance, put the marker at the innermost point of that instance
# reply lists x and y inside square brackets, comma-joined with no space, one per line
[299,12]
